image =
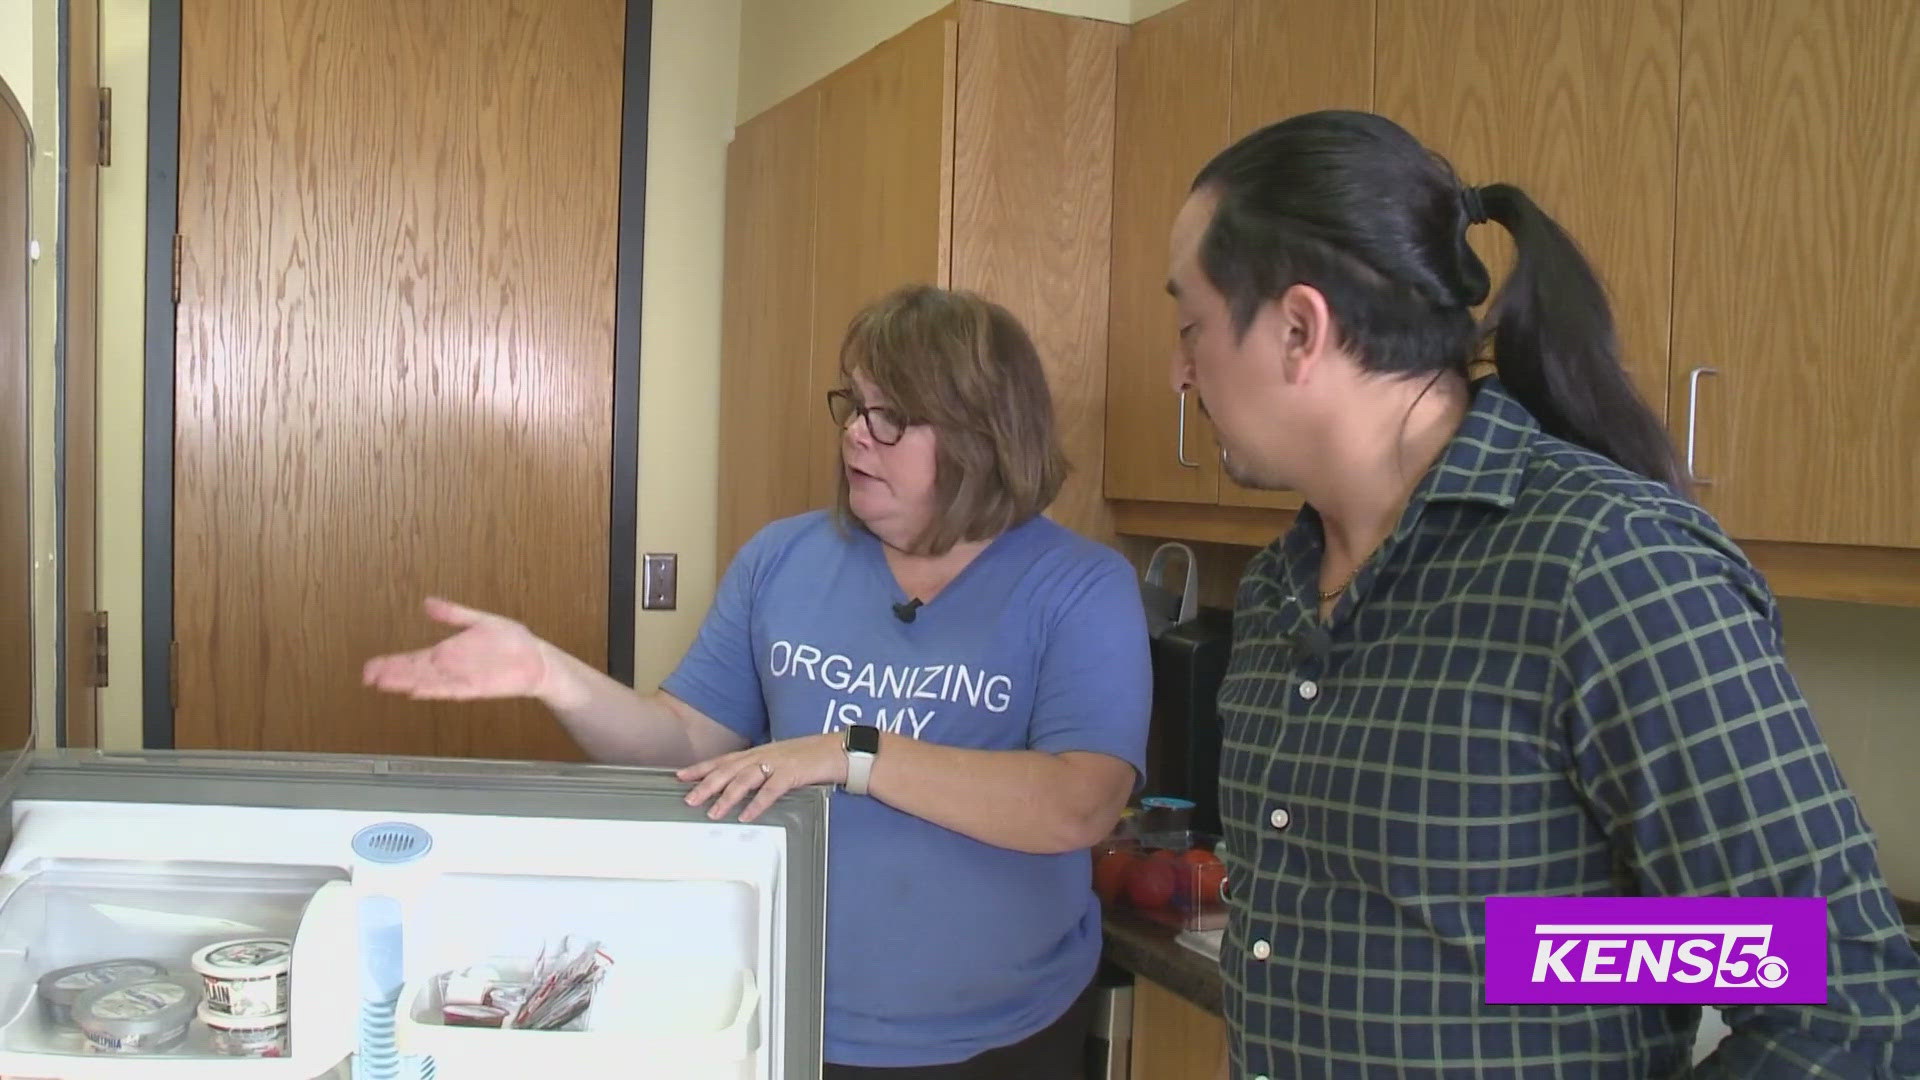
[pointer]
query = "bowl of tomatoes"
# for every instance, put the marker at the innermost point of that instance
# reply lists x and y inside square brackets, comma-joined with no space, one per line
[1179,881]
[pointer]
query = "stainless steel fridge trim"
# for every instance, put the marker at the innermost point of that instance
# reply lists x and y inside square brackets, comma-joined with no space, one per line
[521,789]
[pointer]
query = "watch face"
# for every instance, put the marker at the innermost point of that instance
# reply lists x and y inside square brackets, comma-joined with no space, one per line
[863,739]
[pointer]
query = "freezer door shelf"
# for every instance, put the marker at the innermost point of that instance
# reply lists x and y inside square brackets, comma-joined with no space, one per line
[68,912]
[684,1023]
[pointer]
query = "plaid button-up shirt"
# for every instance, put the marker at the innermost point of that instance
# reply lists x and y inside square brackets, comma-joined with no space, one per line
[1553,678]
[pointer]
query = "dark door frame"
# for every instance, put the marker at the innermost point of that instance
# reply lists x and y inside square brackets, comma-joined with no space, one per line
[163,201]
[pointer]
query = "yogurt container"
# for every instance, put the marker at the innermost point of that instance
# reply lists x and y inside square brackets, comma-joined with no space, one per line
[60,989]
[247,976]
[139,1016]
[245,1036]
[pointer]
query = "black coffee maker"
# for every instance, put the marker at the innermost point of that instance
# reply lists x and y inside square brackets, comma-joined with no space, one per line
[1189,645]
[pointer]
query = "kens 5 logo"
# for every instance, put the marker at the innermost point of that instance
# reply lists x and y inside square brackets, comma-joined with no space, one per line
[1656,950]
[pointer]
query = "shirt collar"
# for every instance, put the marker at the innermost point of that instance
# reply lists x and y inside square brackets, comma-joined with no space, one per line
[1484,463]
[1485,460]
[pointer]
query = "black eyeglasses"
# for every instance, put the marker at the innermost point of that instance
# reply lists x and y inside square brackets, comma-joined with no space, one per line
[886,423]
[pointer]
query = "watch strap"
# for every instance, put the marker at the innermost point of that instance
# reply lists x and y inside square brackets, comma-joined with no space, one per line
[859,767]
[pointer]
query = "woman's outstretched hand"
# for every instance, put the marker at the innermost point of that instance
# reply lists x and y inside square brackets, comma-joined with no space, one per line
[490,657]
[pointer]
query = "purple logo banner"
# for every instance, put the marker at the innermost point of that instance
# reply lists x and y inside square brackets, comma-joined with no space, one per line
[1632,950]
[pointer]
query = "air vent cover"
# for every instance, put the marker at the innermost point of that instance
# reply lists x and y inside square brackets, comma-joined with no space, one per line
[392,843]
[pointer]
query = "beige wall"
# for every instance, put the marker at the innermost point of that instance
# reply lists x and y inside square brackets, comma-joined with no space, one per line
[16,49]
[695,76]
[1859,666]
[122,373]
[785,45]
[29,62]
[1140,9]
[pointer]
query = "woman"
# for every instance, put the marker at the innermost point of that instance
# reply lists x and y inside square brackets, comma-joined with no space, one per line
[973,674]
[1500,653]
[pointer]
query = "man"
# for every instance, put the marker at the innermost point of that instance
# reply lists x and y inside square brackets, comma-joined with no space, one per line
[1501,653]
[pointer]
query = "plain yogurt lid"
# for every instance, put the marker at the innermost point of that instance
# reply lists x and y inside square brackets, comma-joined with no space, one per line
[75,980]
[144,1004]
[246,958]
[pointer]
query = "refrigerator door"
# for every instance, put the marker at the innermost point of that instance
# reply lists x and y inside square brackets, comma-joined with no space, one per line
[715,930]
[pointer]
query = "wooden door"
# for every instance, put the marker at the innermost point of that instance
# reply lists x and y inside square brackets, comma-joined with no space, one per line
[1291,57]
[769,415]
[1571,100]
[1171,117]
[1797,266]
[883,191]
[1033,205]
[394,350]
[16,448]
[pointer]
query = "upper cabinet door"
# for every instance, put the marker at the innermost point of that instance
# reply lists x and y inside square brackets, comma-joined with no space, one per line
[1033,206]
[769,416]
[883,189]
[1171,118]
[1292,57]
[1573,101]
[1797,266]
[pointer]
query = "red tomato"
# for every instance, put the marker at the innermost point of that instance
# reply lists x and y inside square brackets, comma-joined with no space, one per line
[1151,884]
[1110,875]
[1201,873]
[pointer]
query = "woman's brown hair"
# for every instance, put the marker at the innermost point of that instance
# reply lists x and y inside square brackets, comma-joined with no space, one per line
[964,365]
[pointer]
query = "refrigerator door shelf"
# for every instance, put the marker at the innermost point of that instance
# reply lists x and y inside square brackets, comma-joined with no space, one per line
[68,910]
[701,1022]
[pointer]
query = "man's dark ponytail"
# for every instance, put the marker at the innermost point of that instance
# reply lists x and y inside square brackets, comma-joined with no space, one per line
[1556,349]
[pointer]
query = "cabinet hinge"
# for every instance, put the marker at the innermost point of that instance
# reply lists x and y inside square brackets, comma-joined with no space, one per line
[106,126]
[98,676]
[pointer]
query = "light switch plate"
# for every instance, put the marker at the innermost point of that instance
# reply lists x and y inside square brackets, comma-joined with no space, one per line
[659,581]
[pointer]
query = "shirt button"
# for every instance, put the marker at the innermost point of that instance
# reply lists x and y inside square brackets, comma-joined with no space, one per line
[1279,819]
[1309,690]
[1262,950]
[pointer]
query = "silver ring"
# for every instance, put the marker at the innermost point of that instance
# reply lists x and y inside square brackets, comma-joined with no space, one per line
[766,769]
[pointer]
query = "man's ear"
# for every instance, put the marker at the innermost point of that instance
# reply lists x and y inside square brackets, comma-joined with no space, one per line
[1300,325]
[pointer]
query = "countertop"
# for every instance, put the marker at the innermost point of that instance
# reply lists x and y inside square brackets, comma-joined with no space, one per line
[1148,949]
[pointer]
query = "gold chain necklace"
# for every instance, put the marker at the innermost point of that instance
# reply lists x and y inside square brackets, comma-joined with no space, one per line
[1329,594]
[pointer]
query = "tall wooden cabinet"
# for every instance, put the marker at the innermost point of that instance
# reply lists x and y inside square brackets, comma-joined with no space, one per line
[975,150]
[766,433]
[1797,270]
[1192,79]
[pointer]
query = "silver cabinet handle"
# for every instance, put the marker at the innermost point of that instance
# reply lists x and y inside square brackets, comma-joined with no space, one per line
[1180,448]
[1693,406]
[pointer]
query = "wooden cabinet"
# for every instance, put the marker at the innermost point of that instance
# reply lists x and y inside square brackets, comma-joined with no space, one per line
[1797,265]
[1738,174]
[1575,103]
[1174,1039]
[1192,79]
[1170,118]
[766,337]
[974,150]
[880,200]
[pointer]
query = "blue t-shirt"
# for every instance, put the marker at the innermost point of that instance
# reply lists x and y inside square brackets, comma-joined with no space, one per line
[938,946]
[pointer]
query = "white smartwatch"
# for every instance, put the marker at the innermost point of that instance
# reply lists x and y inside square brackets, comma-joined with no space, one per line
[862,743]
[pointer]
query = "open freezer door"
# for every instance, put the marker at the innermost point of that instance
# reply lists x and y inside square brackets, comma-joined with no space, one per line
[707,937]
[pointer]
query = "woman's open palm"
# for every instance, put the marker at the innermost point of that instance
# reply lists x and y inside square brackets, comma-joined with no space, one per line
[491,657]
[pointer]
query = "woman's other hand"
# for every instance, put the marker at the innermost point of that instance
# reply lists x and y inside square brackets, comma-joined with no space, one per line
[490,657]
[767,772]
